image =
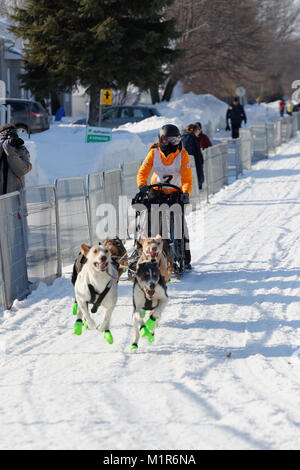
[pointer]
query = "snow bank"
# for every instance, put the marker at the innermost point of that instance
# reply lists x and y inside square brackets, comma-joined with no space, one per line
[62,152]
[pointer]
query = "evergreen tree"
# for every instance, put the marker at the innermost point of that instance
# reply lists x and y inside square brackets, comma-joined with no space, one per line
[101,43]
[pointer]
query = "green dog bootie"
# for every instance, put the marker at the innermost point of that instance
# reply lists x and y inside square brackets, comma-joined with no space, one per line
[133,347]
[150,323]
[145,333]
[108,337]
[77,329]
[75,308]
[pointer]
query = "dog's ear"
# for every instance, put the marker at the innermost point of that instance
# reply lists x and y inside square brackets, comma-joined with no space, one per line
[85,249]
[139,244]
[158,238]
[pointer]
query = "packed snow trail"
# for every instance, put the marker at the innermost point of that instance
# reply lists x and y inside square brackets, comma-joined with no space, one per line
[224,371]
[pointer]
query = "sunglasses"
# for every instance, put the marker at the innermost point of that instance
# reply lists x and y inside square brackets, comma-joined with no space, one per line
[170,140]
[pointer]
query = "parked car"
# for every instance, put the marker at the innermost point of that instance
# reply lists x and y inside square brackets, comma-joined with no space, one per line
[115,116]
[27,115]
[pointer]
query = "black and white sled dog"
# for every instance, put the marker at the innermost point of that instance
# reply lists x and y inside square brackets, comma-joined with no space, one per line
[97,283]
[149,294]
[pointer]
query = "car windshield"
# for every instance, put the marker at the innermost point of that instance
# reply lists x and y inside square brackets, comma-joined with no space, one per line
[109,113]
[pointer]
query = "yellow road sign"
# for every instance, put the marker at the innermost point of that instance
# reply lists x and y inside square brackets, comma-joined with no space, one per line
[106,97]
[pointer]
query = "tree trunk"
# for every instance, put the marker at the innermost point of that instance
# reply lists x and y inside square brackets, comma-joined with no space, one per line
[169,89]
[94,92]
[154,95]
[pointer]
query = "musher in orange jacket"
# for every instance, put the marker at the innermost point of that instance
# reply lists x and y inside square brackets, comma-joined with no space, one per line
[171,164]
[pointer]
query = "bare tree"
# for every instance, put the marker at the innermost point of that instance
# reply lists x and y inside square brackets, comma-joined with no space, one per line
[228,43]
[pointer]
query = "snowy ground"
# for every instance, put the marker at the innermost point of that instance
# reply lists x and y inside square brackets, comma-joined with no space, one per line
[224,371]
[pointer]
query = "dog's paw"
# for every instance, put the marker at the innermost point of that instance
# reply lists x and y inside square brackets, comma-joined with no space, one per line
[108,337]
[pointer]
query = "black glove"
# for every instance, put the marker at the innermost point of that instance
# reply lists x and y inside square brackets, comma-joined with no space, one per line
[227,128]
[143,188]
[185,198]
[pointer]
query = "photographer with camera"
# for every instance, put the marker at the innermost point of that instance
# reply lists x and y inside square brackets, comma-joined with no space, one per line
[14,160]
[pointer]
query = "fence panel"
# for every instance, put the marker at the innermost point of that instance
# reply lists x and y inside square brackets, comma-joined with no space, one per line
[106,188]
[295,124]
[43,255]
[260,142]
[73,217]
[96,197]
[287,129]
[129,176]
[270,128]
[278,132]
[246,148]
[13,271]
[234,156]
[216,167]
[3,303]
[198,195]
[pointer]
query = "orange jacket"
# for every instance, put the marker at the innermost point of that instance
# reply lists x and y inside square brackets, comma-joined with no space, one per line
[186,169]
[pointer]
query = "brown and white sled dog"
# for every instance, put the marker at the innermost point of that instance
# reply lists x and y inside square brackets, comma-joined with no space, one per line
[155,249]
[149,294]
[97,281]
[118,253]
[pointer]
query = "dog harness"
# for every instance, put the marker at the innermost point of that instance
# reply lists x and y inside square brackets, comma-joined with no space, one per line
[167,174]
[94,293]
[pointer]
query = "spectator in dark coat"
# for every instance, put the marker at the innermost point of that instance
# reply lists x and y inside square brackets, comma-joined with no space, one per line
[236,115]
[203,138]
[14,160]
[190,142]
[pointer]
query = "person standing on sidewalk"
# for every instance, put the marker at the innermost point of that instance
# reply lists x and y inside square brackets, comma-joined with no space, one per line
[236,115]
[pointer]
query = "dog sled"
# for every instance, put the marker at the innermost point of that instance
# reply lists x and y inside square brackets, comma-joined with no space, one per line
[157,212]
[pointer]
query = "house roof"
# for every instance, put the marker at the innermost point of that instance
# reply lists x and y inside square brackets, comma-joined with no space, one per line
[5,34]
[11,42]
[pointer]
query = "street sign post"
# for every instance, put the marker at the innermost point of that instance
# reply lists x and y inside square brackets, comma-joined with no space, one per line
[105,100]
[106,97]
[98,134]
